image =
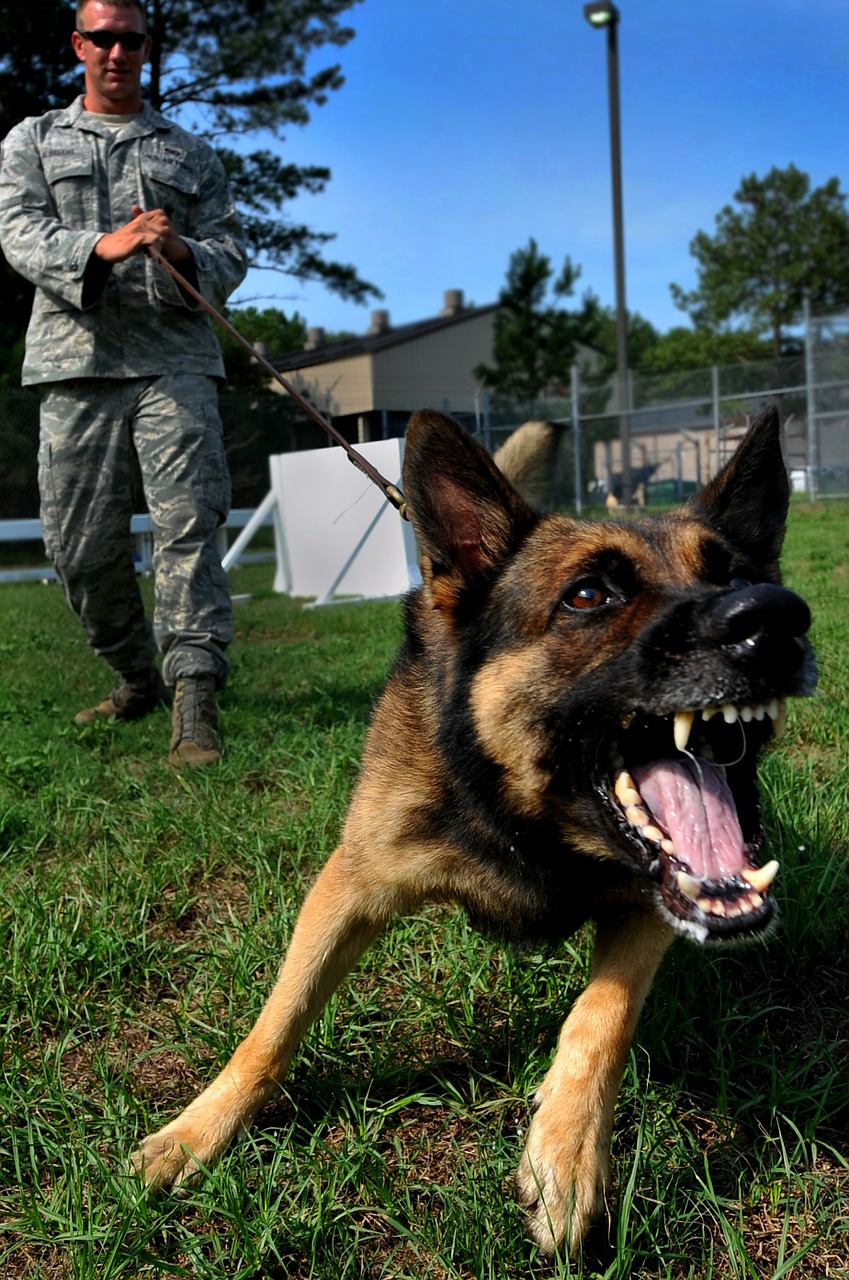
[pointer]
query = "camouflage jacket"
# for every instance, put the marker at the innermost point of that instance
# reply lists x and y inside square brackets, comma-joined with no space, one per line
[66,179]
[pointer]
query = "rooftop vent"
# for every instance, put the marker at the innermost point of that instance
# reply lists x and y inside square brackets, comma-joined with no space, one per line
[315,339]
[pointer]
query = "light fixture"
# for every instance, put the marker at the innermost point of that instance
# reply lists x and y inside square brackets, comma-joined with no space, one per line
[601,13]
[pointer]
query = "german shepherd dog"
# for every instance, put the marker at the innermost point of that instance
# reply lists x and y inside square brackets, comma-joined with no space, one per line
[570,733]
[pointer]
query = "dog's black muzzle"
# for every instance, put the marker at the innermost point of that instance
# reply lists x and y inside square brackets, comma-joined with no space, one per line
[760,626]
[742,646]
[709,685]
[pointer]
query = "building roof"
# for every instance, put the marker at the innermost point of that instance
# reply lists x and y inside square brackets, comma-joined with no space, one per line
[379,337]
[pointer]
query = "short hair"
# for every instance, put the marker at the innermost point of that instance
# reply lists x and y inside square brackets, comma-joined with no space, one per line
[113,4]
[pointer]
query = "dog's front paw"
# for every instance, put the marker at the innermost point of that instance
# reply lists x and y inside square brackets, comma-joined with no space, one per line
[563,1174]
[175,1157]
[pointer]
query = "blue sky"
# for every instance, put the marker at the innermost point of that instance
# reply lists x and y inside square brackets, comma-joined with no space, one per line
[467,126]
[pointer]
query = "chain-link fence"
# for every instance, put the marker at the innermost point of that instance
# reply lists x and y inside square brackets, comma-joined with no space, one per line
[682,426]
[827,405]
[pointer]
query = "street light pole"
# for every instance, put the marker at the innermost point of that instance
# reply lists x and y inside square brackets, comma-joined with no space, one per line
[603,13]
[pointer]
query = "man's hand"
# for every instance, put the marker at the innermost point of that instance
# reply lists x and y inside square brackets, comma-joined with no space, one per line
[151,229]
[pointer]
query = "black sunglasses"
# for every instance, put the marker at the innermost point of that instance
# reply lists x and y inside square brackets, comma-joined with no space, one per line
[130,41]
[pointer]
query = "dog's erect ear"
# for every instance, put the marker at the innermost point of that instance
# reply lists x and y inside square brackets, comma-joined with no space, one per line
[467,516]
[747,500]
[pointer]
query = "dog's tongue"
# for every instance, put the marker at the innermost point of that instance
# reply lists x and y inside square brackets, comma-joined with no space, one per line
[691,802]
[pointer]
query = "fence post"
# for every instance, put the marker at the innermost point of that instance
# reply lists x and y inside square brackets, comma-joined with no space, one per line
[576,438]
[717,413]
[679,472]
[811,403]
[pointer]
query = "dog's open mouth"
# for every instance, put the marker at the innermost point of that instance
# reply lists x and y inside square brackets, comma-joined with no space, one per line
[685,794]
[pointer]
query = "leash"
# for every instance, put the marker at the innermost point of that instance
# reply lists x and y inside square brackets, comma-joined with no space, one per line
[390,491]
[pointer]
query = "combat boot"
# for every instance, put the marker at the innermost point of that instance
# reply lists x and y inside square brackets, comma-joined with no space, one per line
[194,722]
[135,695]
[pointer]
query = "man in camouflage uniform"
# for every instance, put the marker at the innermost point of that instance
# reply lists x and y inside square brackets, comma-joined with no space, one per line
[127,362]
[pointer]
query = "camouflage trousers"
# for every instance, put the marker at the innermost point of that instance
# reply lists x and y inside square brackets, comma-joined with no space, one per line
[90,429]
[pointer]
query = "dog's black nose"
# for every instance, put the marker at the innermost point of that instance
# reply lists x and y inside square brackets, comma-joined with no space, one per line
[749,614]
[760,628]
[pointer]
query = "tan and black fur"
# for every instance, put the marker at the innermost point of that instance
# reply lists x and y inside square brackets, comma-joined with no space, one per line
[546,659]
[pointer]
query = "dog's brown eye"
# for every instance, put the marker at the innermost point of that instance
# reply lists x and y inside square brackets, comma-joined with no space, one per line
[589,593]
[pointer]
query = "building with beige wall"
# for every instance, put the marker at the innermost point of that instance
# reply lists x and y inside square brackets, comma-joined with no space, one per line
[370,385]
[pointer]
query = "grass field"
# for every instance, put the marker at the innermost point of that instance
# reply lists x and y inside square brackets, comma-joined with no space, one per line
[143,915]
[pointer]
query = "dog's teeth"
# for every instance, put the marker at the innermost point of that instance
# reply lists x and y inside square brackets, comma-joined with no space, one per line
[760,711]
[760,878]
[636,815]
[754,900]
[746,715]
[730,714]
[667,846]
[651,832]
[682,728]
[777,712]
[688,885]
[625,789]
[709,712]
[712,906]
